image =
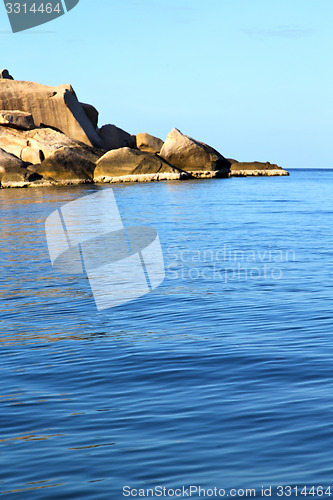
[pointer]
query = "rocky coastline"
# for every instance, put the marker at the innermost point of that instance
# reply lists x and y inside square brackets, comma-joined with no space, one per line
[49,138]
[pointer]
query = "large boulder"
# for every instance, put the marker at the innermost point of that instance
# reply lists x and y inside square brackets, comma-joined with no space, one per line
[8,160]
[193,156]
[17,119]
[49,140]
[54,107]
[256,168]
[148,143]
[114,137]
[67,166]
[36,145]
[14,172]
[127,164]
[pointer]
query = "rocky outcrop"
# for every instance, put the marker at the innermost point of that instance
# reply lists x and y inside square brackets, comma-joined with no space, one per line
[17,119]
[48,137]
[114,137]
[127,164]
[256,168]
[36,145]
[4,74]
[148,143]
[67,166]
[195,157]
[49,140]
[54,107]
[14,172]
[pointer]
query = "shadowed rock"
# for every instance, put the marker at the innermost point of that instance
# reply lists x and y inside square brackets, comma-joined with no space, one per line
[193,156]
[133,165]
[17,119]
[14,172]
[55,107]
[8,160]
[67,166]
[114,137]
[148,143]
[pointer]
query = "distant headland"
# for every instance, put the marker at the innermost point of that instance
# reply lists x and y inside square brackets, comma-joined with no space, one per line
[48,137]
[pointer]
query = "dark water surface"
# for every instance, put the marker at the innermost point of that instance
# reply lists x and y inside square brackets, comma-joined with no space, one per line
[222,377]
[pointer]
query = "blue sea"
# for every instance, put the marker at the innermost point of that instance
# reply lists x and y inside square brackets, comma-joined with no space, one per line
[220,380]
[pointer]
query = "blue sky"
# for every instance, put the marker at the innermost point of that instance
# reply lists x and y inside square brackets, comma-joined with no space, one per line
[254,79]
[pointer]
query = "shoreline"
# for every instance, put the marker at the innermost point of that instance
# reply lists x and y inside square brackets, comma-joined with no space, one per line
[139,179]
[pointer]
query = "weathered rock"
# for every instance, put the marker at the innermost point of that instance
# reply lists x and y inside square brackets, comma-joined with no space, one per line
[36,145]
[91,113]
[12,141]
[49,140]
[40,142]
[148,143]
[4,74]
[32,155]
[18,178]
[66,166]
[9,160]
[193,156]
[256,168]
[114,137]
[55,107]
[127,164]
[17,119]
[13,171]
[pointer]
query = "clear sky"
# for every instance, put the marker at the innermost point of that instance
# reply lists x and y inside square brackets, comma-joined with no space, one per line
[252,78]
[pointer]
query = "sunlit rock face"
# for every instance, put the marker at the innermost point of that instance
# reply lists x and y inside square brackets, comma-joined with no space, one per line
[193,156]
[134,165]
[55,107]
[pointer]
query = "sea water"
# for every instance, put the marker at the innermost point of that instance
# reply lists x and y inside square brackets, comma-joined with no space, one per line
[220,378]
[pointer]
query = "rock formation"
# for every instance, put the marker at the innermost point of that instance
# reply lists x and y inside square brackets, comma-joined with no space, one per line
[193,156]
[17,119]
[148,143]
[48,137]
[8,160]
[127,164]
[14,172]
[67,166]
[38,143]
[256,168]
[114,137]
[55,107]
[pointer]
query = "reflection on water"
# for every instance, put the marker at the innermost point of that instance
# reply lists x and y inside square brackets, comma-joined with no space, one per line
[184,385]
[34,488]
[31,437]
